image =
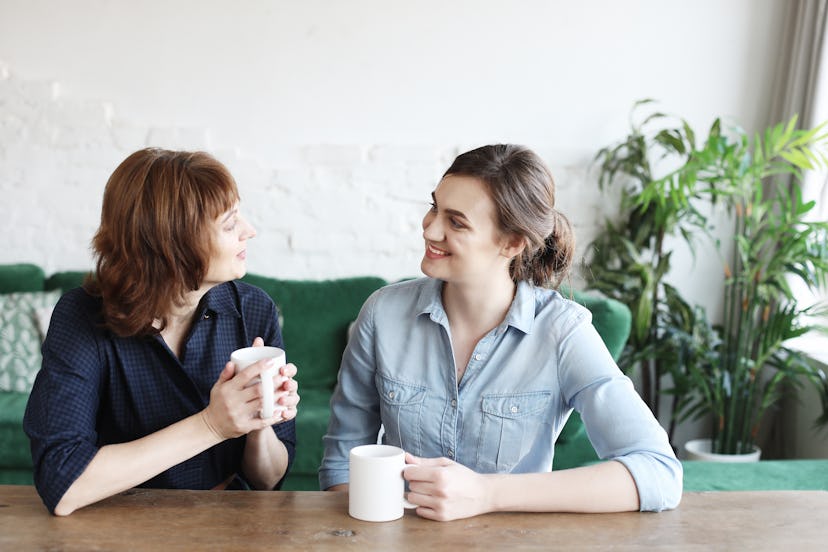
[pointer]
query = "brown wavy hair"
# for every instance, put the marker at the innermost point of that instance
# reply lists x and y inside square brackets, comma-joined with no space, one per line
[523,192]
[153,245]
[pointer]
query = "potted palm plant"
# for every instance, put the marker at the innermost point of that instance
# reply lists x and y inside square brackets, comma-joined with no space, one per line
[750,366]
[736,370]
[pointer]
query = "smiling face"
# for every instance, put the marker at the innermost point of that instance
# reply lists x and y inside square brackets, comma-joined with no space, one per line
[463,243]
[229,235]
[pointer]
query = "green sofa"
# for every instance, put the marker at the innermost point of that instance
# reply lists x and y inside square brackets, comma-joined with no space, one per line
[316,316]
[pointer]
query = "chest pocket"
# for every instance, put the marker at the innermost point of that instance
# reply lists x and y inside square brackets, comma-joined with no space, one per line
[511,423]
[401,405]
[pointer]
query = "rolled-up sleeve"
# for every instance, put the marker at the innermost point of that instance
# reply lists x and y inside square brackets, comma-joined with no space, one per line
[62,410]
[619,425]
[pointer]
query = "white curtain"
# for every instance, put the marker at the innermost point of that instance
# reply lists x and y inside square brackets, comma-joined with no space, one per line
[801,86]
[800,60]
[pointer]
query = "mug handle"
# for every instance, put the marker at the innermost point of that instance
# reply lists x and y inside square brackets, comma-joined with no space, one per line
[406,504]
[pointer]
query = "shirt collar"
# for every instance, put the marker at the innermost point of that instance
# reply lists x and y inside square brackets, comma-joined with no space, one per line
[521,314]
[430,301]
[220,300]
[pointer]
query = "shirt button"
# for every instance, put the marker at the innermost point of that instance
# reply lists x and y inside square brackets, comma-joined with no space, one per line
[451,453]
[478,356]
[206,316]
[390,394]
[513,409]
[453,403]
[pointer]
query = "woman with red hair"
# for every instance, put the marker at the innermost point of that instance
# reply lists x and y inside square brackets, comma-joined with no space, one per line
[136,387]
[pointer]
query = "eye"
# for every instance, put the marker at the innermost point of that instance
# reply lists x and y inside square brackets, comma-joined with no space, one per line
[433,206]
[455,224]
[231,226]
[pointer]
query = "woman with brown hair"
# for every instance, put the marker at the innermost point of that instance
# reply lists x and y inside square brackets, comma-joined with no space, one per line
[475,369]
[136,387]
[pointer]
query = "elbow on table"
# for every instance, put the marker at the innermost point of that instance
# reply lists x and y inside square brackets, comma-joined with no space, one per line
[63,510]
[669,499]
[672,487]
[67,504]
[60,507]
[659,480]
[672,498]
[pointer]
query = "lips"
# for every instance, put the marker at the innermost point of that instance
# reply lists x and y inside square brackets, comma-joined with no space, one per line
[435,253]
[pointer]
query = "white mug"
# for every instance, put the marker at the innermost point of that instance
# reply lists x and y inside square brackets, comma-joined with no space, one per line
[376,488]
[246,356]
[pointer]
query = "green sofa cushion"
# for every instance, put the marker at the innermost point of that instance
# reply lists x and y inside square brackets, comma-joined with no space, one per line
[316,316]
[311,425]
[14,444]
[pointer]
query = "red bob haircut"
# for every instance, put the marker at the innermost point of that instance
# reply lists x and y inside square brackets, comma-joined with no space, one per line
[153,245]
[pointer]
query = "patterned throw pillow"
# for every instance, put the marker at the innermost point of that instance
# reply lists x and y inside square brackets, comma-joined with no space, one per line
[20,337]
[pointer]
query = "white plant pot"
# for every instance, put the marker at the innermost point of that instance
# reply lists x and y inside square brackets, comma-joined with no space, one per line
[699,449]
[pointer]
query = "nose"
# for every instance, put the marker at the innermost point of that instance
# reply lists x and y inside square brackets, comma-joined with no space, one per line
[249,232]
[432,227]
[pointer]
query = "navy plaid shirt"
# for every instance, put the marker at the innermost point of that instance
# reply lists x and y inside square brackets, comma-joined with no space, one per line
[96,388]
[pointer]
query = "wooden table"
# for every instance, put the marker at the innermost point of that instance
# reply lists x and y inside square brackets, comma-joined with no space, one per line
[247,520]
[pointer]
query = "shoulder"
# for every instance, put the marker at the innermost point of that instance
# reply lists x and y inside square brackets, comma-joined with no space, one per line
[405,296]
[76,329]
[256,307]
[249,292]
[77,305]
[558,314]
[403,288]
[391,303]
[553,300]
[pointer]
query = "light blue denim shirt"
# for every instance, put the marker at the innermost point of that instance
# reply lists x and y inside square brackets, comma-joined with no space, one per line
[523,380]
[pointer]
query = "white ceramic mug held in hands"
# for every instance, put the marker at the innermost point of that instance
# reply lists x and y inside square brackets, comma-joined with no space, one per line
[246,356]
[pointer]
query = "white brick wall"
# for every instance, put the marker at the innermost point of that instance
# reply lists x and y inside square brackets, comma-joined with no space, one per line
[321,210]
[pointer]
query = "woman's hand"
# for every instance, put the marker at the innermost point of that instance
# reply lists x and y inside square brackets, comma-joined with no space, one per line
[287,394]
[444,490]
[235,403]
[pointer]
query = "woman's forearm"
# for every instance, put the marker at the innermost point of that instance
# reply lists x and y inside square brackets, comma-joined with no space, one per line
[116,468]
[604,487]
[265,459]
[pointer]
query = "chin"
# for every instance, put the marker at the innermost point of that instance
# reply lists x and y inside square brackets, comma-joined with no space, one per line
[424,267]
[428,269]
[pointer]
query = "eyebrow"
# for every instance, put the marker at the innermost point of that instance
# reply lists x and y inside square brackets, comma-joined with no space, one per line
[454,212]
[232,212]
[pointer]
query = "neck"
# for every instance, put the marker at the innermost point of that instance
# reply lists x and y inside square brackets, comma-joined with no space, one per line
[182,315]
[483,304]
